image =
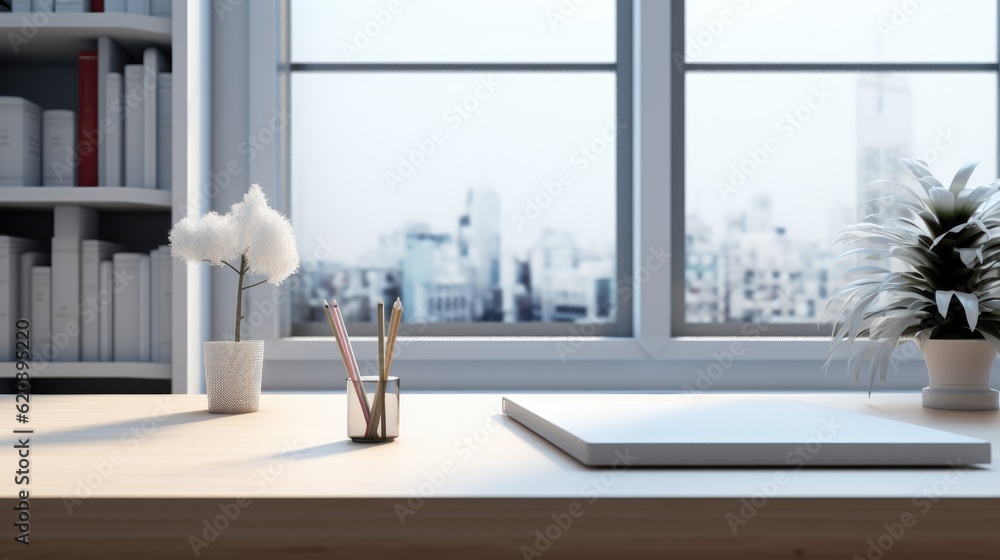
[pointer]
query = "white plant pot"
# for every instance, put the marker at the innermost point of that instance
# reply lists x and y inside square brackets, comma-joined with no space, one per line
[233,372]
[959,374]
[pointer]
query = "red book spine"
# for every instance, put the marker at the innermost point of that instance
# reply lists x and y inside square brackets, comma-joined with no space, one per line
[97,5]
[87,140]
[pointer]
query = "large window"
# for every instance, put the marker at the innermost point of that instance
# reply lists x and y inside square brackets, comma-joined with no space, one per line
[787,112]
[469,156]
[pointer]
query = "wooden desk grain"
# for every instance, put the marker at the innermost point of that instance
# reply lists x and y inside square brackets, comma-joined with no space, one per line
[158,477]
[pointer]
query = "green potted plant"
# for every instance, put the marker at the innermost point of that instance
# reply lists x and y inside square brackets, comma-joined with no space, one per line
[927,272]
[252,239]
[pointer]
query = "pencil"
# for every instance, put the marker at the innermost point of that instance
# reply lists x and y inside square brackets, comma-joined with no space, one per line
[378,410]
[339,317]
[394,319]
[381,364]
[343,343]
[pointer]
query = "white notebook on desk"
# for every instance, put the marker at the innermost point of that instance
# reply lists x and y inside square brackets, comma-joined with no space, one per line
[598,430]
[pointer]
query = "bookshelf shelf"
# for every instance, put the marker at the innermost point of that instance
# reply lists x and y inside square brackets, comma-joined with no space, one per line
[100,198]
[59,37]
[39,61]
[92,370]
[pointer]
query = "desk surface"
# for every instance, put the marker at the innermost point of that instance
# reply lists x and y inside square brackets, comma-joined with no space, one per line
[451,446]
[158,477]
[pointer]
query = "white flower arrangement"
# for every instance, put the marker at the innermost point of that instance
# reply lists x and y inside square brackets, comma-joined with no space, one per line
[252,232]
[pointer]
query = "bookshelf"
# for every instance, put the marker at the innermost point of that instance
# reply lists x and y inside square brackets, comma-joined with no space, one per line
[94,370]
[100,198]
[60,37]
[43,68]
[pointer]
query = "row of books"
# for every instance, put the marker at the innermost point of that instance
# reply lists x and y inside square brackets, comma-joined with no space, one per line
[58,147]
[87,300]
[159,8]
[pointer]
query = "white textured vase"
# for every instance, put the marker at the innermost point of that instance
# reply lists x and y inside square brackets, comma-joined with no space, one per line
[959,374]
[233,372]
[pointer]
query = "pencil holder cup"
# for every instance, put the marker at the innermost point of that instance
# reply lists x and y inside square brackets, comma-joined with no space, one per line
[384,423]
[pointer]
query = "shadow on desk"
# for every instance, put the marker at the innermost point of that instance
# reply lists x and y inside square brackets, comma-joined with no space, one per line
[111,431]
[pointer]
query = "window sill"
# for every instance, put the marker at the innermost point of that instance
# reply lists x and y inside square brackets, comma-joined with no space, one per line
[559,349]
[590,364]
[571,349]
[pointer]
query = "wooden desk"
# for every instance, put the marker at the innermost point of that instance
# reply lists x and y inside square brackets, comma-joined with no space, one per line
[147,476]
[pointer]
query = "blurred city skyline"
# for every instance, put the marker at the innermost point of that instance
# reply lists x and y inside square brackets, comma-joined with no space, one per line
[464,275]
[769,254]
[475,196]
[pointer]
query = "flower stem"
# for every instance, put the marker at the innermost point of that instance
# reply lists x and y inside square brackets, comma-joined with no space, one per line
[254,284]
[239,295]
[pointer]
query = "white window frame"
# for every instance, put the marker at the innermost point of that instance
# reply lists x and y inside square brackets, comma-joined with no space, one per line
[682,69]
[649,359]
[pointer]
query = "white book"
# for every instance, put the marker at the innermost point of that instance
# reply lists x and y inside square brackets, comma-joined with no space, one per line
[20,143]
[137,6]
[72,6]
[135,102]
[145,296]
[66,298]
[154,305]
[105,315]
[93,252]
[115,6]
[165,296]
[8,272]
[131,307]
[74,221]
[111,57]
[43,5]
[41,313]
[11,249]
[29,259]
[153,63]
[160,304]
[58,148]
[114,138]
[164,115]
[21,6]
[160,8]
